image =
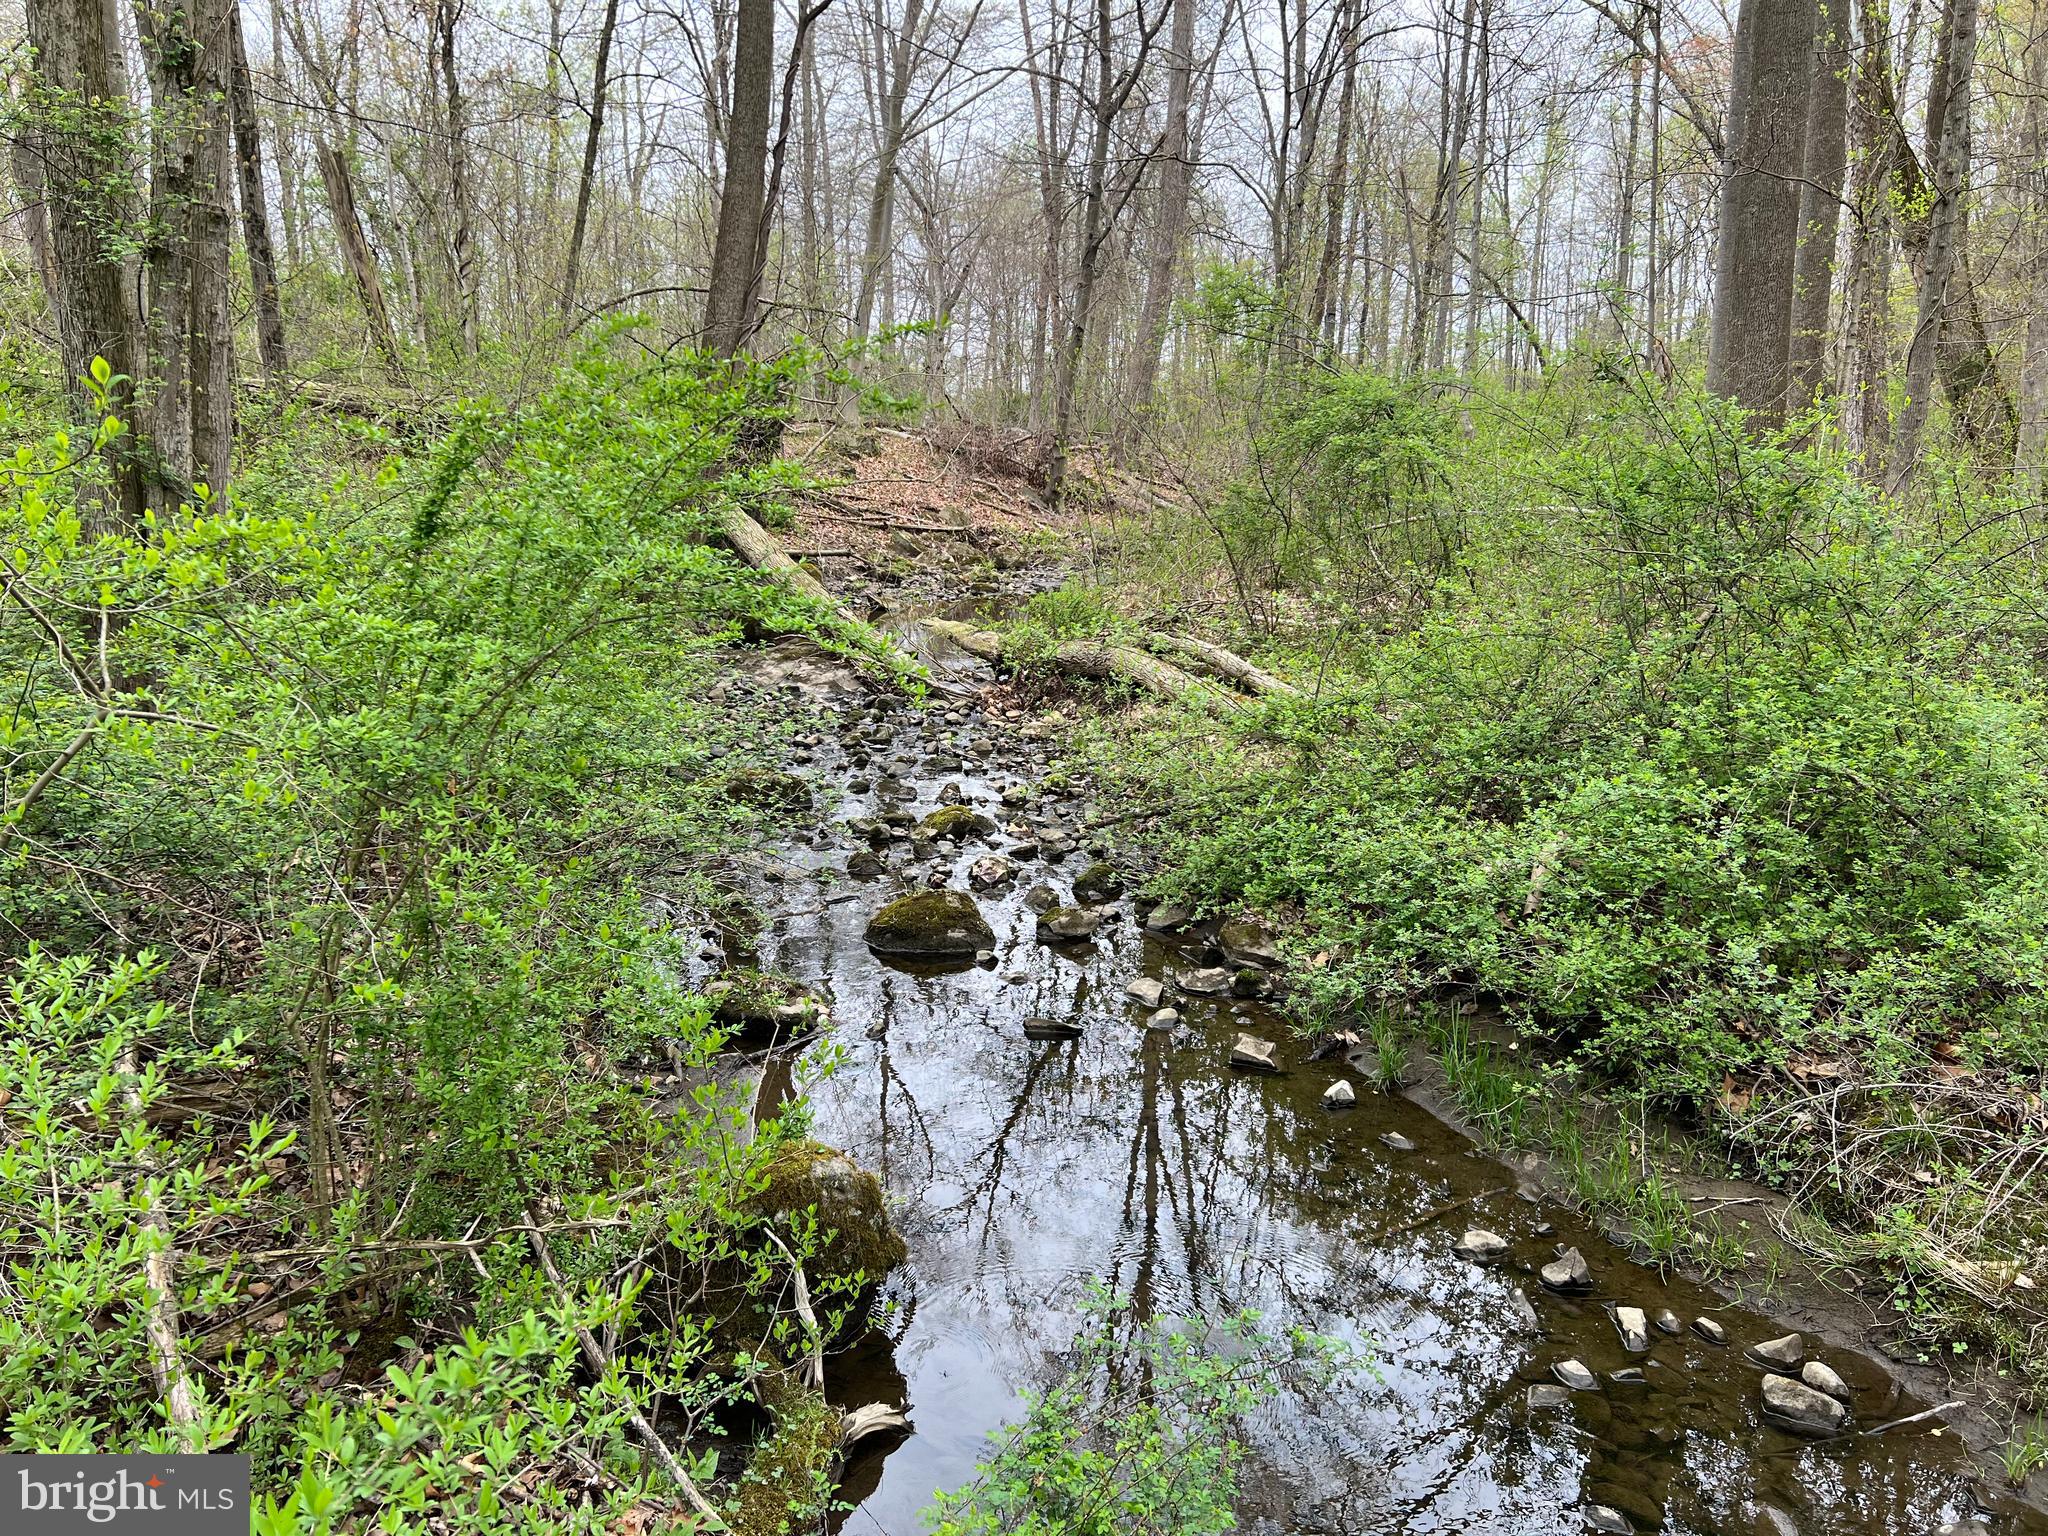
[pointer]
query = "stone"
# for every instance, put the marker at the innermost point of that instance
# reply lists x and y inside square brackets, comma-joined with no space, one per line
[1548,1397]
[930,923]
[1250,982]
[1667,1321]
[1605,1517]
[1098,883]
[951,794]
[1069,924]
[1628,1376]
[1208,981]
[959,823]
[1522,1313]
[1051,1029]
[1168,917]
[990,871]
[1634,1329]
[851,1214]
[865,864]
[1795,1406]
[1252,1054]
[1339,1095]
[1165,1018]
[1041,898]
[1573,1373]
[1480,1246]
[1972,1527]
[1145,991]
[1710,1330]
[1779,1354]
[1567,1272]
[1824,1378]
[1397,1141]
[1246,943]
[1773,1521]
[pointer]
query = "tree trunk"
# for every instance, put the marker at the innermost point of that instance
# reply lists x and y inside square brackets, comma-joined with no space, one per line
[1749,346]
[73,63]
[1820,208]
[1954,67]
[356,254]
[1176,181]
[188,407]
[270,335]
[586,180]
[447,13]
[2033,408]
[1867,421]
[731,293]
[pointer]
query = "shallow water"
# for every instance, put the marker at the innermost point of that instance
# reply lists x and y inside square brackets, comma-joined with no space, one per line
[1024,1170]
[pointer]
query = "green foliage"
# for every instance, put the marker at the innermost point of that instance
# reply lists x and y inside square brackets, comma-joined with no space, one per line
[377,760]
[1139,1436]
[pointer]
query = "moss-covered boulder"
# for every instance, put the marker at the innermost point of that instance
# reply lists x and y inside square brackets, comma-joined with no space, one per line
[751,1004]
[930,923]
[961,823]
[766,789]
[806,1179]
[1098,883]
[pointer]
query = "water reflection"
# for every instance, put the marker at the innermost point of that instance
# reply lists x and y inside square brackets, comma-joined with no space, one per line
[1025,1170]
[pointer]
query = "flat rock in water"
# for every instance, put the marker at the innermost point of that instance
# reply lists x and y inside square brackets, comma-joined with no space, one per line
[1145,991]
[1605,1517]
[1567,1272]
[1634,1329]
[1165,1018]
[1041,898]
[1339,1095]
[1397,1141]
[1051,1029]
[990,871]
[1245,942]
[1667,1321]
[1795,1406]
[1824,1378]
[865,864]
[1710,1329]
[1253,1054]
[1168,917]
[1547,1397]
[1070,924]
[1779,1354]
[1480,1246]
[930,923]
[1573,1373]
[1207,981]
[1522,1313]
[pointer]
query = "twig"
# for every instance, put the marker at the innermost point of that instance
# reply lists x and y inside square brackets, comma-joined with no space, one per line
[803,1310]
[600,1362]
[1911,1418]
[159,1269]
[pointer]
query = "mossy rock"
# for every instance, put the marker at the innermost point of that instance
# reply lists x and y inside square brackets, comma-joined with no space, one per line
[958,822]
[1098,883]
[749,1003]
[930,923]
[789,1468]
[807,1178]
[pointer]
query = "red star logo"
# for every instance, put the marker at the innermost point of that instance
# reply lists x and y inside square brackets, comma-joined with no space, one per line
[156,1482]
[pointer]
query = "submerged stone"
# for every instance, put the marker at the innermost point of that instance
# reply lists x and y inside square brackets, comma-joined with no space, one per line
[1051,1029]
[1165,1018]
[930,923]
[1547,1397]
[1480,1246]
[1069,924]
[1207,981]
[1710,1330]
[1605,1517]
[1667,1321]
[1397,1141]
[1573,1373]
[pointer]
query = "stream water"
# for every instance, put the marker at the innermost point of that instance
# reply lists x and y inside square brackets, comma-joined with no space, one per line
[1025,1170]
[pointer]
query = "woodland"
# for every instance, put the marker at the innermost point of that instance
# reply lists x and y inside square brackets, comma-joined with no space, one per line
[1601,442]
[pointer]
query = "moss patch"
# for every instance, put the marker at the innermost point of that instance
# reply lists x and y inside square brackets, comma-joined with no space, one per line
[789,1471]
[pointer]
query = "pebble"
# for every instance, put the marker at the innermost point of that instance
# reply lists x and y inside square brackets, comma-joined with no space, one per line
[1339,1095]
[1667,1321]
[1634,1329]
[1782,1354]
[1397,1141]
[1710,1330]
[1567,1272]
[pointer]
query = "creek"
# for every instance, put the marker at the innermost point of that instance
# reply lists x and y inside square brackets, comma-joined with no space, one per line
[1023,1170]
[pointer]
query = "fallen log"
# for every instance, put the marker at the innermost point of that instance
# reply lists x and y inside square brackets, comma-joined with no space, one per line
[1227,664]
[1097,659]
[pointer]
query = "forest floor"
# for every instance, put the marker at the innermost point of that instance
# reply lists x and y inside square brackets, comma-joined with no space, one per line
[923,522]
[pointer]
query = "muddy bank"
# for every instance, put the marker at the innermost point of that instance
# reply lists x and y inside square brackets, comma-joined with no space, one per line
[1023,1168]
